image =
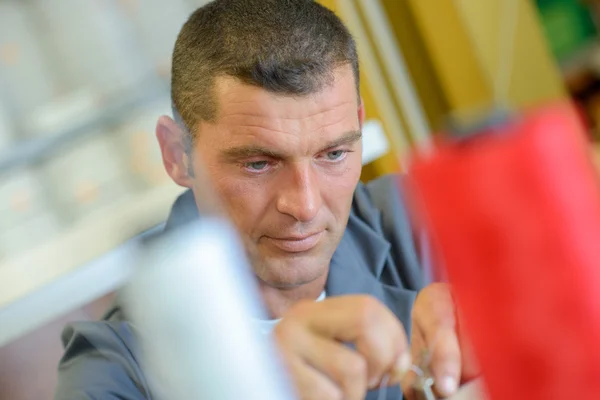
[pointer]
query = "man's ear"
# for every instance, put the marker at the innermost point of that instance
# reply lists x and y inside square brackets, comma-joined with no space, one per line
[361,112]
[173,149]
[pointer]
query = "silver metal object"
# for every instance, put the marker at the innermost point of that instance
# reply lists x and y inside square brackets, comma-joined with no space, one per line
[424,388]
[423,385]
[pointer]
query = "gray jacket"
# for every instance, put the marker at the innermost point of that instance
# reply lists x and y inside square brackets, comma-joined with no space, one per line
[376,256]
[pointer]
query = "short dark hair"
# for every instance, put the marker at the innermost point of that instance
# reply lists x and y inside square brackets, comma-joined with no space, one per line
[291,47]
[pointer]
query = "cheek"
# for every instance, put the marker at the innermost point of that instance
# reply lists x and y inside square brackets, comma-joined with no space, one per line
[243,201]
[339,190]
[229,193]
[350,178]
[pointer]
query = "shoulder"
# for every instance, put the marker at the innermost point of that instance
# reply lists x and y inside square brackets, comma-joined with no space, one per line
[100,360]
[97,335]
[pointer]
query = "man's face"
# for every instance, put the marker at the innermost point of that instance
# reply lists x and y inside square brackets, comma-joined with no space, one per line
[285,169]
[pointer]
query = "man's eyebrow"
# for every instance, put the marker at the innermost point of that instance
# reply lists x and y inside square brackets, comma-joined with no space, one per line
[238,153]
[250,151]
[348,138]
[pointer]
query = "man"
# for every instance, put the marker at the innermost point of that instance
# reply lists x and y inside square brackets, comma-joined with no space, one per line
[266,102]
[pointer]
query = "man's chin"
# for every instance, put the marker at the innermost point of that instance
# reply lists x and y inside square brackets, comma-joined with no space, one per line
[282,284]
[289,276]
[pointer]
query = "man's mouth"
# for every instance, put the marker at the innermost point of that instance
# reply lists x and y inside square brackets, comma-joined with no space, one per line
[296,243]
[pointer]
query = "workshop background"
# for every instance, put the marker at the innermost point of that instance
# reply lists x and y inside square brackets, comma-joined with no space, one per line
[83,82]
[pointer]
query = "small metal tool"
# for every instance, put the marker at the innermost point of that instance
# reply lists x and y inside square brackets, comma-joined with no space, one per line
[423,384]
[423,387]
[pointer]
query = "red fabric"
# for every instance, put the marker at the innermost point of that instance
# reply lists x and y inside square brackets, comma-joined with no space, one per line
[515,214]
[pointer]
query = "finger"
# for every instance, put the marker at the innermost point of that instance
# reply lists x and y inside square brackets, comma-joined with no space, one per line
[417,346]
[434,308]
[311,384]
[345,367]
[446,362]
[365,322]
[434,316]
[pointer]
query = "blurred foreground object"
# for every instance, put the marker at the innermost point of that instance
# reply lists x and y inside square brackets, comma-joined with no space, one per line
[192,301]
[515,214]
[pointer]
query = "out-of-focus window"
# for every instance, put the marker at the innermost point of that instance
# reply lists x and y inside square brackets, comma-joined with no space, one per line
[82,84]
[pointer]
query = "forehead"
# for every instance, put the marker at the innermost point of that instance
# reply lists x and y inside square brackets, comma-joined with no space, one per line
[243,107]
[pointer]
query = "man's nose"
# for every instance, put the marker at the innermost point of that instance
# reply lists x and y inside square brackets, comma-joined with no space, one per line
[300,194]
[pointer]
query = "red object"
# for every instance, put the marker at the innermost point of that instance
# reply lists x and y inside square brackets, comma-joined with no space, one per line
[515,213]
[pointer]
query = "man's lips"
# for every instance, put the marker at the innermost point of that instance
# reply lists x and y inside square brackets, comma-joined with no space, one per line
[295,244]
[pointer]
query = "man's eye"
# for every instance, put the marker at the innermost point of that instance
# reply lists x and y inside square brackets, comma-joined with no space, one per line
[256,165]
[335,155]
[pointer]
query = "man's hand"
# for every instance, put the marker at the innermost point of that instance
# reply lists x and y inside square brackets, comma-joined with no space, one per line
[312,335]
[436,330]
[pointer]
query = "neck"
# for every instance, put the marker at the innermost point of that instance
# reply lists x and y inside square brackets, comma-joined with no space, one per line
[279,300]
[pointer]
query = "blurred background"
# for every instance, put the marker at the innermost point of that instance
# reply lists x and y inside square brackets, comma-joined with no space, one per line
[83,82]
